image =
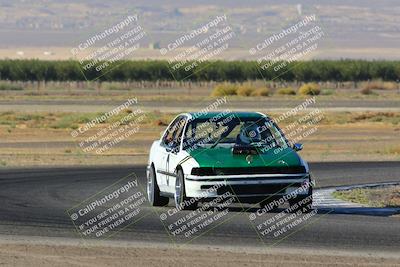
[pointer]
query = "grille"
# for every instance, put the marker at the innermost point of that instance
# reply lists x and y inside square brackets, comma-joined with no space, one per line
[269,189]
[248,170]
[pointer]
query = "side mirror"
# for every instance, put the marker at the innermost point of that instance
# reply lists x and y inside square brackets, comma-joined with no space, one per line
[297,146]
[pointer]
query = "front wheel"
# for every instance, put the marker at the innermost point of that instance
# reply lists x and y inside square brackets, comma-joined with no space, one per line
[153,191]
[181,201]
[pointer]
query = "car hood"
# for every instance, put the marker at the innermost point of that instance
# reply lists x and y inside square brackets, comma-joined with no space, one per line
[223,157]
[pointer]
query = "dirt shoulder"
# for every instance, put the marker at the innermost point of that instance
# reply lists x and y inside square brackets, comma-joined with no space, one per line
[56,253]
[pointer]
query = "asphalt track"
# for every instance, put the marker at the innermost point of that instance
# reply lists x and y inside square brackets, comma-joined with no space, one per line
[34,203]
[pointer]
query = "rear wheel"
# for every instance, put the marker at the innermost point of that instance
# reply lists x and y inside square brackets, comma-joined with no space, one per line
[181,201]
[153,191]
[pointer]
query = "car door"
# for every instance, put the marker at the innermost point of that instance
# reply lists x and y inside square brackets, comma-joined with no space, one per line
[174,155]
[164,153]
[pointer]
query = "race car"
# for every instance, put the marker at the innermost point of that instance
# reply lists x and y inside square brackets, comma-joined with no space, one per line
[202,156]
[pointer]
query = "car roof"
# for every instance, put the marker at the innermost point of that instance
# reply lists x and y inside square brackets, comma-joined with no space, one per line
[224,114]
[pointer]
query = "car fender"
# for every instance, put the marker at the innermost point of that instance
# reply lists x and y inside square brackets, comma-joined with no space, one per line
[305,164]
[153,155]
[187,163]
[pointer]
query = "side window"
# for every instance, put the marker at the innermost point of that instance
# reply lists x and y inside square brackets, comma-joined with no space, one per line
[174,132]
[179,131]
[169,134]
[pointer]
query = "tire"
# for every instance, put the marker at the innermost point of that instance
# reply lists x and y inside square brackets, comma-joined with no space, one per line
[153,191]
[180,194]
[303,203]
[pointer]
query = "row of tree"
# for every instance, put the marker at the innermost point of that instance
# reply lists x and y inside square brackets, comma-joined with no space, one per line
[153,70]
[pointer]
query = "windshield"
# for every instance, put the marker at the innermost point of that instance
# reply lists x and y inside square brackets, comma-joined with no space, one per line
[231,130]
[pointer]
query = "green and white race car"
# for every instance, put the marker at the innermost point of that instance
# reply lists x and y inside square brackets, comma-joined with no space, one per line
[202,156]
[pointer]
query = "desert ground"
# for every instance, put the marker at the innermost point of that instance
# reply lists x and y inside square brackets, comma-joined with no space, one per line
[36,124]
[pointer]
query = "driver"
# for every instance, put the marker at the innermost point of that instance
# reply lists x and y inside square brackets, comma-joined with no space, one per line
[248,134]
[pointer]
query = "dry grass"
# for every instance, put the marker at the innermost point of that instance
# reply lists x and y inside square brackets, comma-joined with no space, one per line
[375,197]
[30,139]
[286,91]
[391,117]
[72,120]
[379,85]
[224,90]
[263,91]
[309,89]
[366,91]
[245,90]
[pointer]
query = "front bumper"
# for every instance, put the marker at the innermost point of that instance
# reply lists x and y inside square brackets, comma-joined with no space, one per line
[244,186]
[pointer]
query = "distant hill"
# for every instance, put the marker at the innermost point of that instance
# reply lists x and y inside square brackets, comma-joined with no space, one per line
[361,28]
